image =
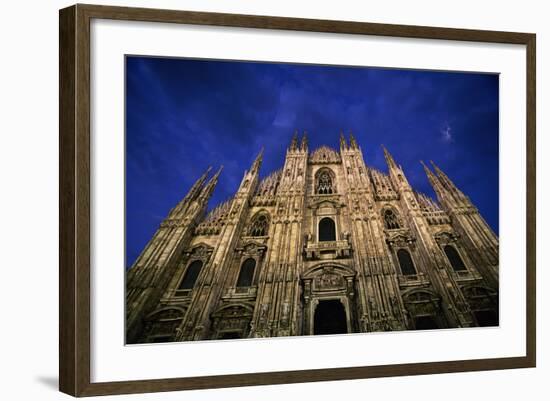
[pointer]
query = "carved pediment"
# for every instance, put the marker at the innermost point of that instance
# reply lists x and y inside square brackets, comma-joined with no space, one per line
[420,296]
[200,251]
[318,202]
[422,302]
[324,154]
[399,238]
[478,291]
[445,237]
[252,247]
[167,313]
[329,269]
[234,311]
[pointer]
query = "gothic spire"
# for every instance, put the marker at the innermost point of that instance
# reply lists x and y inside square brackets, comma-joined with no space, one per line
[257,163]
[428,171]
[198,184]
[434,181]
[294,141]
[209,187]
[443,177]
[389,159]
[194,191]
[352,142]
[303,145]
[447,183]
[343,144]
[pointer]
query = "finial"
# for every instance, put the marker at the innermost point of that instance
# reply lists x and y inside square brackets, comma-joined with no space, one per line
[343,143]
[426,169]
[352,141]
[209,187]
[294,141]
[215,177]
[257,162]
[303,145]
[441,174]
[389,158]
[436,168]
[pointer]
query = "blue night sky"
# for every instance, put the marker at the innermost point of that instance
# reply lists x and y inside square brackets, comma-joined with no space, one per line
[184,115]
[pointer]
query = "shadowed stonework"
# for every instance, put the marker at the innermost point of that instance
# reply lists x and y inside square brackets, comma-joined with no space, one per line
[325,245]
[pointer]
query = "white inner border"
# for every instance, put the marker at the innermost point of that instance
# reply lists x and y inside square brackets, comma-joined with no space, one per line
[112,361]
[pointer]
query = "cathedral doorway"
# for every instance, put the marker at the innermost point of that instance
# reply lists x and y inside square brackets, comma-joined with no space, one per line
[328,294]
[486,318]
[330,318]
[425,323]
[424,310]
[483,302]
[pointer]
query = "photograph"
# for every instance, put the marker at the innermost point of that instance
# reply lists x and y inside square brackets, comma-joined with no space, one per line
[275,199]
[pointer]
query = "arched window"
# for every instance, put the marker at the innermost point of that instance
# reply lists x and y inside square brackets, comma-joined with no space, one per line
[327,229]
[405,262]
[324,183]
[454,258]
[390,219]
[246,275]
[191,275]
[259,226]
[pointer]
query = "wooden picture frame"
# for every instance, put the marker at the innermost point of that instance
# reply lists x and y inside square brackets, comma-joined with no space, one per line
[74,204]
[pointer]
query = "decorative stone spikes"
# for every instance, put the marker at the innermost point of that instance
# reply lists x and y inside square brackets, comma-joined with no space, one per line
[294,147]
[443,177]
[381,180]
[352,142]
[428,172]
[257,163]
[303,145]
[431,210]
[324,154]
[389,159]
[434,181]
[382,185]
[193,193]
[268,186]
[343,144]
[294,141]
[219,212]
[214,220]
[209,188]
[427,203]
[449,185]
[445,189]
[195,188]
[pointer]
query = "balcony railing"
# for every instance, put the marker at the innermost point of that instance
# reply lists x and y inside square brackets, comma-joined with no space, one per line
[240,292]
[413,280]
[466,275]
[327,249]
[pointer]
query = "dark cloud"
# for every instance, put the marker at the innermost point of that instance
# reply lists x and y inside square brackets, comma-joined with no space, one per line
[184,115]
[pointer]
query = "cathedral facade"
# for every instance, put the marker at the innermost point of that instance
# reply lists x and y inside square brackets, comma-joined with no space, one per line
[326,245]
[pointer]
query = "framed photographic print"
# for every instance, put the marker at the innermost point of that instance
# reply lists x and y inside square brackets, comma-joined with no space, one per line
[250,200]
